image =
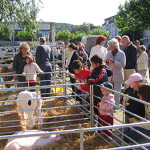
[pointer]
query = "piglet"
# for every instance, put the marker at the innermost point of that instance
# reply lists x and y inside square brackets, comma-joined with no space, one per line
[30,143]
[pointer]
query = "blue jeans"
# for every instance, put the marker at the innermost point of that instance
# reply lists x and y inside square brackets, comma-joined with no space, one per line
[45,92]
[138,137]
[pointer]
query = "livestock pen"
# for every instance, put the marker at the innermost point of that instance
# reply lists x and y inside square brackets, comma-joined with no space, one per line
[62,114]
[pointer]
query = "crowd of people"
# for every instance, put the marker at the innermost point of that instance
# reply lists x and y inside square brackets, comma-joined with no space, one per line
[121,63]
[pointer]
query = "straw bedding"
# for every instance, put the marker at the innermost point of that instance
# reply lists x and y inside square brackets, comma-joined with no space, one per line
[69,141]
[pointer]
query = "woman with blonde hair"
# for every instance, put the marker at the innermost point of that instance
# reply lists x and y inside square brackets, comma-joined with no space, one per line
[19,63]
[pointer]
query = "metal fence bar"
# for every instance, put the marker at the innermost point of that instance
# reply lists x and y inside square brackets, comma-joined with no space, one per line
[81,141]
[65,84]
[79,130]
[91,106]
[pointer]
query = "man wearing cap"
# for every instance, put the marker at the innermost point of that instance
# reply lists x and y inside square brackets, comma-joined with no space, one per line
[44,59]
[131,58]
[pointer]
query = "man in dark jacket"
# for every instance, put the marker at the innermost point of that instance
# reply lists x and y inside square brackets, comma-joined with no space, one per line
[44,59]
[131,58]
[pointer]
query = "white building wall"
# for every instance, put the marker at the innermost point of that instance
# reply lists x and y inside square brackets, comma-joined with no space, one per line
[44,30]
[146,38]
[110,26]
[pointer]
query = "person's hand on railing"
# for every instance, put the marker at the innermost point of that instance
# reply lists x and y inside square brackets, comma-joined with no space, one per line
[134,120]
[42,72]
[23,74]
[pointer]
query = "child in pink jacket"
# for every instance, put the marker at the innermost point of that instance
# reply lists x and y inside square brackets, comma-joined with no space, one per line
[105,107]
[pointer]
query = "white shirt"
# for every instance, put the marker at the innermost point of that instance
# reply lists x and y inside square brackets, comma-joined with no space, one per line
[142,61]
[69,58]
[30,71]
[99,50]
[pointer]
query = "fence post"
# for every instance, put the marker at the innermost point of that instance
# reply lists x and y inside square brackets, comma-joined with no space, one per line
[63,66]
[28,78]
[81,141]
[122,143]
[91,106]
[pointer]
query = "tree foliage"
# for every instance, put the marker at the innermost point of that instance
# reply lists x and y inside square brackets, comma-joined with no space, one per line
[62,26]
[99,31]
[77,36]
[133,18]
[85,27]
[22,13]
[63,35]
[5,32]
[26,35]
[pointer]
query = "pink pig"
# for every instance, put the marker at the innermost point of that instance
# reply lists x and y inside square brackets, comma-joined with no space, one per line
[30,143]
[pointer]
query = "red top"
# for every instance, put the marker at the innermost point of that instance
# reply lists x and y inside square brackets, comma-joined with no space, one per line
[83,75]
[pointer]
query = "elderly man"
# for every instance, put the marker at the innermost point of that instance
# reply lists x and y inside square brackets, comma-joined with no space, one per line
[122,47]
[131,58]
[116,61]
[44,59]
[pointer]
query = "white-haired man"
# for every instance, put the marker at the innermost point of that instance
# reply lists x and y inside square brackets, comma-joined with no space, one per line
[131,58]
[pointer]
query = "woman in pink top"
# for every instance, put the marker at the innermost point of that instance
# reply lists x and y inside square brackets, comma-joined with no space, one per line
[106,108]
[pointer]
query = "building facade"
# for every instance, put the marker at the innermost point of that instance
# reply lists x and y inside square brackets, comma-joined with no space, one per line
[110,26]
[45,29]
[146,39]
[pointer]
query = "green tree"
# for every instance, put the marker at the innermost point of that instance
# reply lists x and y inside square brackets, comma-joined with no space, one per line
[63,35]
[77,36]
[85,27]
[99,31]
[23,13]
[26,35]
[61,27]
[5,32]
[133,18]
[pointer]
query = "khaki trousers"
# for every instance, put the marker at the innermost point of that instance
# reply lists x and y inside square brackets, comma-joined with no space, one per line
[143,72]
[127,73]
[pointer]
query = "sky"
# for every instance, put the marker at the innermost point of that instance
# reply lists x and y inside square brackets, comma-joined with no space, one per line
[77,12]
